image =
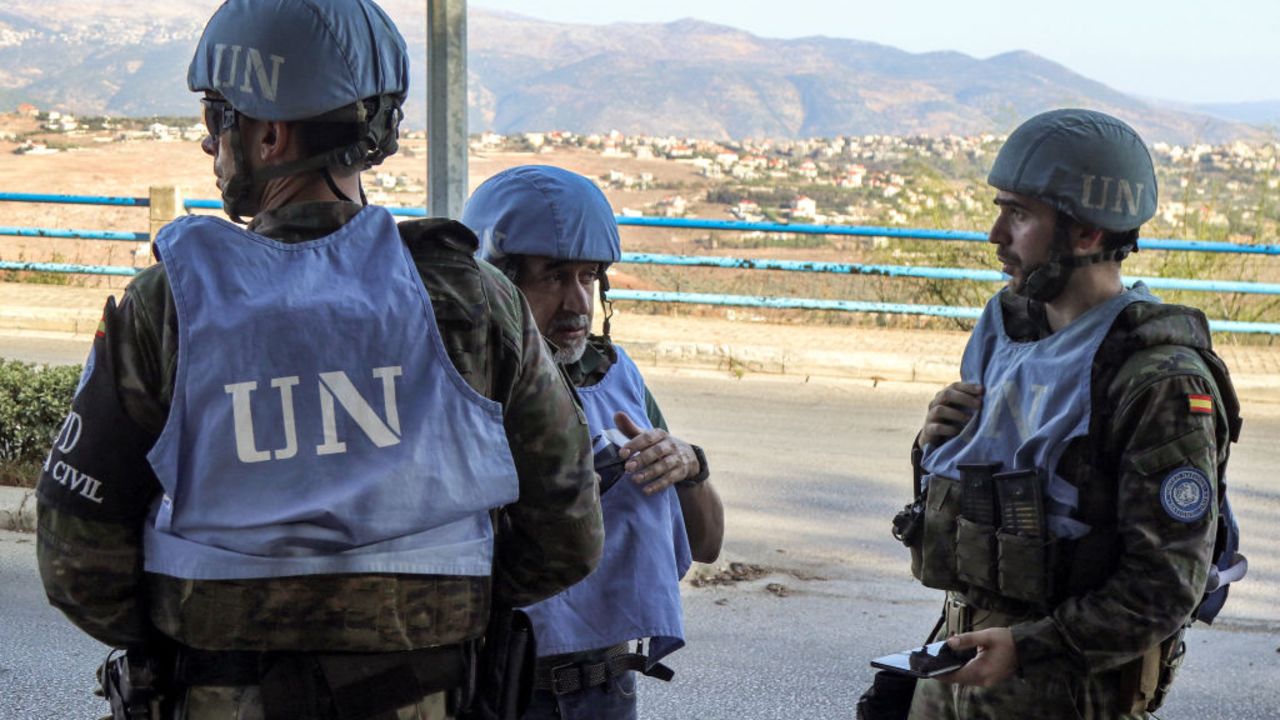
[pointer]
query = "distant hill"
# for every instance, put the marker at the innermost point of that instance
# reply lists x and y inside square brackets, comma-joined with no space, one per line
[681,78]
[1266,112]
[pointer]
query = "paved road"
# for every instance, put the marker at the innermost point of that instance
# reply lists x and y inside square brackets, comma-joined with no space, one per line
[810,473]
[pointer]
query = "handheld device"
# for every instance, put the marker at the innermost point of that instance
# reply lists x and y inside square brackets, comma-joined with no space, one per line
[926,661]
[608,465]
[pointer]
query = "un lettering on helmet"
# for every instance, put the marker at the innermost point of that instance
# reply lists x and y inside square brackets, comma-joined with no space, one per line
[1090,165]
[292,60]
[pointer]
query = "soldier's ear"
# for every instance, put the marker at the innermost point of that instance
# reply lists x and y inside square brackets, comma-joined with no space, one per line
[275,141]
[1085,239]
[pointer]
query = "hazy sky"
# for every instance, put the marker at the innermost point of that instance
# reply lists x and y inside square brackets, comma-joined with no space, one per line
[1185,50]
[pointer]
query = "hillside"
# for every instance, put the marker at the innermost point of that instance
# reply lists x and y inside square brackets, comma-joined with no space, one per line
[681,78]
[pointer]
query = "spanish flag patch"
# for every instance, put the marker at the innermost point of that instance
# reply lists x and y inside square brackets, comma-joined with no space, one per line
[1200,404]
[102,327]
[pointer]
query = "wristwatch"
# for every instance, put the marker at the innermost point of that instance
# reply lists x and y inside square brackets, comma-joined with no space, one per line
[703,471]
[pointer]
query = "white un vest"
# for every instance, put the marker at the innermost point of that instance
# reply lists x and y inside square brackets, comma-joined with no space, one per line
[1037,398]
[635,591]
[317,423]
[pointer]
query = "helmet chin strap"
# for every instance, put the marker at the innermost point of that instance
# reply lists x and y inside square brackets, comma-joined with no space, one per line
[605,303]
[237,190]
[337,192]
[243,184]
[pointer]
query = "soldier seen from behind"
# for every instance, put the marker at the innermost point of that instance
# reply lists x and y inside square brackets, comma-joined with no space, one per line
[279,480]
[1069,489]
[554,233]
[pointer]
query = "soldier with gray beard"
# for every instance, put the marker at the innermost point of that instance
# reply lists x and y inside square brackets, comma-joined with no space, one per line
[553,233]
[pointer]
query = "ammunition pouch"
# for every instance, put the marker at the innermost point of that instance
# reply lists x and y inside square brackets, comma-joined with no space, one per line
[1001,548]
[934,561]
[327,686]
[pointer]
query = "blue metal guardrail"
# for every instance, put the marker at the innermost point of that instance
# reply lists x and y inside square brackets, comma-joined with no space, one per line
[1185,284]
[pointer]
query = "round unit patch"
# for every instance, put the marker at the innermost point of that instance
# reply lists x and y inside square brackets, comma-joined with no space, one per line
[1186,494]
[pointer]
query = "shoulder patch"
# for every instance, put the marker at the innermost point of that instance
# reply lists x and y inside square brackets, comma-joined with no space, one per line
[1200,404]
[1186,494]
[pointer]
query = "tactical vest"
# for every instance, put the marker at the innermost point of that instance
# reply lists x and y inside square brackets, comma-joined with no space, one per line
[953,552]
[1036,400]
[317,423]
[635,591]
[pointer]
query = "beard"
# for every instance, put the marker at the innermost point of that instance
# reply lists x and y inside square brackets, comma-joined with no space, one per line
[572,350]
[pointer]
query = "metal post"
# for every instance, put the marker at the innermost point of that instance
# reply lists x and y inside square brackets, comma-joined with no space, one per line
[165,206]
[446,107]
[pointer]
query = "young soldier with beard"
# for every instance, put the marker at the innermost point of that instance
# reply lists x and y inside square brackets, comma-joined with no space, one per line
[1071,483]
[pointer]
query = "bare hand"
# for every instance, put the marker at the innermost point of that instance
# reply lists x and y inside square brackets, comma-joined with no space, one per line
[655,458]
[996,662]
[950,411]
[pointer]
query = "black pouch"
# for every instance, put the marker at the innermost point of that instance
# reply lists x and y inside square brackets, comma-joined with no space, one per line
[890,694]
[134,684]
[937,566]
[908,529]
[888,698]
[503,675]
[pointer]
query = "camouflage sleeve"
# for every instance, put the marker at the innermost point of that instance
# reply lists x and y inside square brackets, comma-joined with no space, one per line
[654,412]
[1166,515]
[93,495]
[555,533]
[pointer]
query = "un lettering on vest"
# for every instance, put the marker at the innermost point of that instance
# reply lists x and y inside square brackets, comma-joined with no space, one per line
[1097,192]
[334,389]
[1011,406]
[254,68]
[65,473]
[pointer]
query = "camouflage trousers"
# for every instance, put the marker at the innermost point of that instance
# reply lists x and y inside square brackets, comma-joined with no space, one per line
[244,703]
[1056,698]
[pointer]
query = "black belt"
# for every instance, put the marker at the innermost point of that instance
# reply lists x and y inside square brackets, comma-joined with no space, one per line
[562,678]
[358,684]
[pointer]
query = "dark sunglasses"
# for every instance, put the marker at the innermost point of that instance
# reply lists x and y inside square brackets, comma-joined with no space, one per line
[218,116]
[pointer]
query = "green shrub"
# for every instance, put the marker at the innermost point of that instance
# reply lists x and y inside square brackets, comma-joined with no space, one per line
[33,403]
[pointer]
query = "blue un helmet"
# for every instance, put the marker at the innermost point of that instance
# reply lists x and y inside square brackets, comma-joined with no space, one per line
[545,211]
[333,61]
[1091,167]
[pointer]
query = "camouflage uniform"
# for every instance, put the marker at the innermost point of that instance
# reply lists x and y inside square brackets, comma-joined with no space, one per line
[594,364]
[1132,583]
[90,554]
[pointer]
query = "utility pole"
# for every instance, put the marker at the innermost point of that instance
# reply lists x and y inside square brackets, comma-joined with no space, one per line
[446,107]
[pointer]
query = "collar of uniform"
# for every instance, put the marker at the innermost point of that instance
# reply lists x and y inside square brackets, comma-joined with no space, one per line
[303,221]
[594,364]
